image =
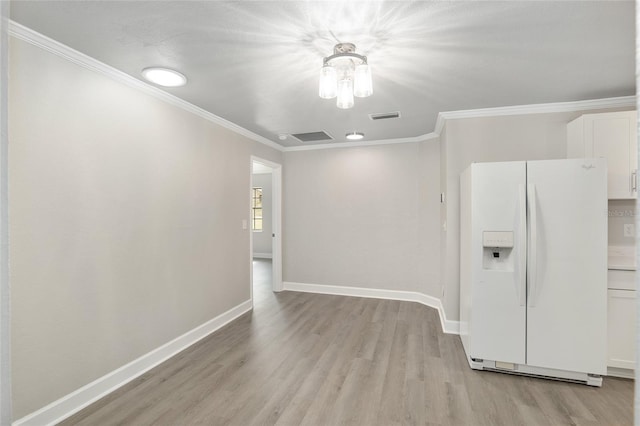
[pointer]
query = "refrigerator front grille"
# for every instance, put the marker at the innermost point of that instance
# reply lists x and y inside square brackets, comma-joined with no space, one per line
[538,376]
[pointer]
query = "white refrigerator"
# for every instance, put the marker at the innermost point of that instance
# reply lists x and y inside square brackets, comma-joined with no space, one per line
[533,268]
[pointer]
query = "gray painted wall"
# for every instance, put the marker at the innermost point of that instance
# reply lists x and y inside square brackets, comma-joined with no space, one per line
[363,217]
[126,223]
[5,297]
[508,138]
[262,240]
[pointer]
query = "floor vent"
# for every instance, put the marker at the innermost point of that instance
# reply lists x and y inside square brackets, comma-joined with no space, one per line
[312,136]
[384,115]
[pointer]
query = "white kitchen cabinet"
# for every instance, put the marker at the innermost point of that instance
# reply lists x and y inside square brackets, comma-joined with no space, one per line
[613,136]
[622,329]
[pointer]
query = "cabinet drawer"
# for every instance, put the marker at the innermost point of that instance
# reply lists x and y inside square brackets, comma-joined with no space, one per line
[621,280]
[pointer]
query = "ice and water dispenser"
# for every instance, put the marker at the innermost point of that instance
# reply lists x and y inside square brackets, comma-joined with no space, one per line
[497,250]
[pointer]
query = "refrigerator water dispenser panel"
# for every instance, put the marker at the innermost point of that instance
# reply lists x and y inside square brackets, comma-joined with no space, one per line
[497,239]
[497,250]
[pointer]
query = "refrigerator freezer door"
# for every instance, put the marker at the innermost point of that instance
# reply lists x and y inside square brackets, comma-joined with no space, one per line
[567,291]
[498,314]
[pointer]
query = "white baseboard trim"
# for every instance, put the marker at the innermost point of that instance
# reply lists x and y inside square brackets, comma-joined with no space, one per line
[263,255]
[448,326]
[86,395]
[624,373]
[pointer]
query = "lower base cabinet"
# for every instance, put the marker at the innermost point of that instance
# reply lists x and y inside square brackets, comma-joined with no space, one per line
[622,329]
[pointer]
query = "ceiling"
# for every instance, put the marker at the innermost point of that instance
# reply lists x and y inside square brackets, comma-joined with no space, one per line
[257,64]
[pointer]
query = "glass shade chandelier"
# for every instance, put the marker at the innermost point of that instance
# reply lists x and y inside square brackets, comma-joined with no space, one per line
[345,74]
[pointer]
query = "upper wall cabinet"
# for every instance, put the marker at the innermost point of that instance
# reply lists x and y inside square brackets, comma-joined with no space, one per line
[611,135]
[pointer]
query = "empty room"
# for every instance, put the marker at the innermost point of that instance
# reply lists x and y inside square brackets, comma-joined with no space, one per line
[318,213]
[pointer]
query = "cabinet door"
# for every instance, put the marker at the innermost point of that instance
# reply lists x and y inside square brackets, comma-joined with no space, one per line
[576,146]
[622,329]
[613,136]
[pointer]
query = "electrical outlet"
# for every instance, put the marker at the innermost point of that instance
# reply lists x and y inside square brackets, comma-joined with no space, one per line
[629,230]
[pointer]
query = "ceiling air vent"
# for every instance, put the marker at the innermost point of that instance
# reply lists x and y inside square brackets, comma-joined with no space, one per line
[384,115]
[312,136]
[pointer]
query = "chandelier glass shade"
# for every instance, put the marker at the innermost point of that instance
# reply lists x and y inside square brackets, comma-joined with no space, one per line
[345,74]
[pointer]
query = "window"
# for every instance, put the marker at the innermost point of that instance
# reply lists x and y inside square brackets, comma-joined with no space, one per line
[256,210]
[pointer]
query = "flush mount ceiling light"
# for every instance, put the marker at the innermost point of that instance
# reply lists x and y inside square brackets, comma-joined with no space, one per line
[345,74]
[354,136]
[164,77]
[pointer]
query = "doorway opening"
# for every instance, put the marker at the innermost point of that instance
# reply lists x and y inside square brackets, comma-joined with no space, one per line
[265,227]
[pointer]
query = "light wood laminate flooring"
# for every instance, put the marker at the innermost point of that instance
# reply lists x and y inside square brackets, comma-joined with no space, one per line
[307,359]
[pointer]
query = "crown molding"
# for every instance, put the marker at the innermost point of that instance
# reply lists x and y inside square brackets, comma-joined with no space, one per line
[30,36]
[420,138]
[573,106]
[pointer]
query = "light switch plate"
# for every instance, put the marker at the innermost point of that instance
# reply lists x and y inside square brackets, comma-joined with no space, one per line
[244,224]
[629,230]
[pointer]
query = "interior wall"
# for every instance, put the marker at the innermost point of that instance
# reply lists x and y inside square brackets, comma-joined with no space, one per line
[363,217]
[5,297]
[262,240]
[506,138]
[126,223]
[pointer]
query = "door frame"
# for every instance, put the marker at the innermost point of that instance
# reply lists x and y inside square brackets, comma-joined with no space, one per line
[276,222]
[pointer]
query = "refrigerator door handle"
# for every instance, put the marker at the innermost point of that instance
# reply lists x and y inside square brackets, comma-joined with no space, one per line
[533,245]
[521,283]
